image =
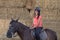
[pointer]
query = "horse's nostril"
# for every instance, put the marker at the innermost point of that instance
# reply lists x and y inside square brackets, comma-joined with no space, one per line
[9,35]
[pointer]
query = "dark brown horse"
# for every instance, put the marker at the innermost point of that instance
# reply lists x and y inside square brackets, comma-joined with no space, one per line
[25,33]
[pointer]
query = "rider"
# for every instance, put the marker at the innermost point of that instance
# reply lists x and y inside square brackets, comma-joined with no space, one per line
[37,23]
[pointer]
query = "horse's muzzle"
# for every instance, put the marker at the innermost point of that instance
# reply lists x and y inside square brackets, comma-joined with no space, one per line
[9,34]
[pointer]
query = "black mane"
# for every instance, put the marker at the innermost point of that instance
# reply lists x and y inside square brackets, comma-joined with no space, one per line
[23,26]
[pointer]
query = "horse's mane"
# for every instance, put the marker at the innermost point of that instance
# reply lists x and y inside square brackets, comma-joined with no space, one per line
[23,26]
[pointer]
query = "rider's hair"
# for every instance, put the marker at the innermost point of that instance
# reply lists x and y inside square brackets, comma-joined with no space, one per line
[38,10]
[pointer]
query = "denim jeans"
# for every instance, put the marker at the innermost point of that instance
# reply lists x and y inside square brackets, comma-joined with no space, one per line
[43,35]
[39,35]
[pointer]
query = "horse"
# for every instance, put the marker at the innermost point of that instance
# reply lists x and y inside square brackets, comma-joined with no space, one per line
[24,32]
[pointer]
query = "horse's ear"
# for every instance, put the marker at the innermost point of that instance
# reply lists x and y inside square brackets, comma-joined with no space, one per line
[11,18]
[17,19]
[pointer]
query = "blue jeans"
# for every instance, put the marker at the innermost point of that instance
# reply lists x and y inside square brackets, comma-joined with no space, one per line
[39,35]
[43,35]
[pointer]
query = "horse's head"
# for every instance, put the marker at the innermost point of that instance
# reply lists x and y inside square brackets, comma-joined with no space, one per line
[12,28]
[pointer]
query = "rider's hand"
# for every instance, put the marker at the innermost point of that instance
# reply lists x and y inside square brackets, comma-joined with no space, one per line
[32,27]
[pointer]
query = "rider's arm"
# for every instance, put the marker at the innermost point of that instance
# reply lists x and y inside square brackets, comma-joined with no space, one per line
[32,25]
[40,21]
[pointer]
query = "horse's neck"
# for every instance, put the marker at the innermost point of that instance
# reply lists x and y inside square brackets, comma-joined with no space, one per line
[20,34]
[22,30]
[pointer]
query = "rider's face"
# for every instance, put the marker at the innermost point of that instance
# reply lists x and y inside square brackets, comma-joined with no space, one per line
[36,13]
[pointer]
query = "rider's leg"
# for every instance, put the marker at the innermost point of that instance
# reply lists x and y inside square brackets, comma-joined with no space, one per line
[43,35]
[37,31]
